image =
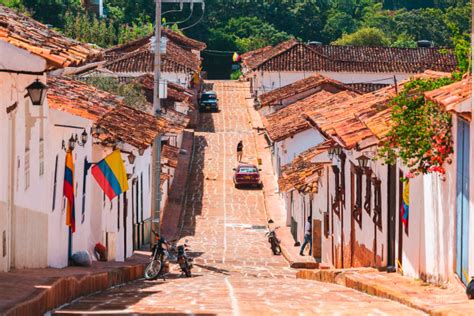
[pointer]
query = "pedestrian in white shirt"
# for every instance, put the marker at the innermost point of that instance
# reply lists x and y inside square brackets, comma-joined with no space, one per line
[307,237]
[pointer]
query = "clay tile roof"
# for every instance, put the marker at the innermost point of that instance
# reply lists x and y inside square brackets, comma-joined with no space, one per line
[299,87]
[163,178]
[58,50]
[169,155]
[363,118]
[141,60]
[176,93]
[254,59]
[80,99]
[302,174]
[366,86]
[294,56]
[452,96]
[292,119]
[183,40]
[133,127]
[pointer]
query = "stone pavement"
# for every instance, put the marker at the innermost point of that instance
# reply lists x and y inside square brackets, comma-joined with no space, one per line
[35,291]
[174,208]
[235,271]
[432,299]
[273,201]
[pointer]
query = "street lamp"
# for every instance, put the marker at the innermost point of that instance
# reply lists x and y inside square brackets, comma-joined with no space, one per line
[71,144]
[83,139]
[37,92]
[363,161]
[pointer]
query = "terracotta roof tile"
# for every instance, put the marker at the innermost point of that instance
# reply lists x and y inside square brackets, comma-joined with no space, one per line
[292,119]
[58,50]
[133,127]
[80,99]
[294,56]
[451,96]
[363,118]
[302,174]
[183,40]
[314,82]
[169,155]
[137,57]
[163,178]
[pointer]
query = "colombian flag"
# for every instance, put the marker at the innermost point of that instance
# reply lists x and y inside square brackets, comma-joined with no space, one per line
[405,203]
[235,57]
[68,191]
[111,175]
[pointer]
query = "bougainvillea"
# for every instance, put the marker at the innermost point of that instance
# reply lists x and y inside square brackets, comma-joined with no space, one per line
[421,130]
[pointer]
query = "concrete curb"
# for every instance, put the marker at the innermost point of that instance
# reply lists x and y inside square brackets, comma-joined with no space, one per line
[348,278]
[65,289]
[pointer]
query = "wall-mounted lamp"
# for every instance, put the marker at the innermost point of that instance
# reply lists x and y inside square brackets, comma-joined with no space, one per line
[363,161]
[83,140]
[71,144]
[73,140]
[334,151]
[131,157]
[37,92]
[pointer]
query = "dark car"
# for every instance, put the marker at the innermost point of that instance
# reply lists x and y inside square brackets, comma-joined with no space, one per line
[247,175]
[208,102]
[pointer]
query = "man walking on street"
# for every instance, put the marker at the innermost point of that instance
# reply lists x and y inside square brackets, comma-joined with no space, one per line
[307,237]
[240,150]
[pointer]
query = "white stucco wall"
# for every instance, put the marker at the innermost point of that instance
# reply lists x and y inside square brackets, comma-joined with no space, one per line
[23,220]
[266,81]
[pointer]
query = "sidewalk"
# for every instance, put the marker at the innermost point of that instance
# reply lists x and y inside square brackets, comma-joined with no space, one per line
[172,213]
[273,202]
[36,291]
[428,298]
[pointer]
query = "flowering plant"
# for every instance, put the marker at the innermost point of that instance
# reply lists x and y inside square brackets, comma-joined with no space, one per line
[421,130]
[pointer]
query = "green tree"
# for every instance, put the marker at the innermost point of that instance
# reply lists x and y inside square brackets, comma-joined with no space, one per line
[367,36]
[338,24]
[404,41]
[132,93]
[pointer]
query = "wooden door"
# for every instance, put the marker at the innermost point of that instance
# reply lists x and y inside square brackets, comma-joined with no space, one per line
[392,210]
[462,200]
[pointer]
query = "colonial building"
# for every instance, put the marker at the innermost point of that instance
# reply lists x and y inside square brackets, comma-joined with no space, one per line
[25,162]
[365,68]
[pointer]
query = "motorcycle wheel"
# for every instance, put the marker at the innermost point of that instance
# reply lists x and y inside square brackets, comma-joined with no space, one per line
[187,272]
[276,248]
[153,270]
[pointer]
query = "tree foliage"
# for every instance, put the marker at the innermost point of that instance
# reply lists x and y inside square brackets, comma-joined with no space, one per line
[367,36]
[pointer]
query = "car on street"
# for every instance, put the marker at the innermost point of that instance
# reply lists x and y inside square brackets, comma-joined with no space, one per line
[247,175]
[209,102]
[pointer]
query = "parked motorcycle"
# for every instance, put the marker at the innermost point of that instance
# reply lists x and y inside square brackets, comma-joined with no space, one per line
[185,263]
[158,260]
[274,241]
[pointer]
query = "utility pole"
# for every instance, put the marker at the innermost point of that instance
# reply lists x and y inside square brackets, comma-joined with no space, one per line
[156,183]
[156,193]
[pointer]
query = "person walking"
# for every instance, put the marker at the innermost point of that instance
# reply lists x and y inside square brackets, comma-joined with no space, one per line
[307,237]
[240,151]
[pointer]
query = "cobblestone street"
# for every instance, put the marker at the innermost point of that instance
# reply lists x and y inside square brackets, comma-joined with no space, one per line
[235,271]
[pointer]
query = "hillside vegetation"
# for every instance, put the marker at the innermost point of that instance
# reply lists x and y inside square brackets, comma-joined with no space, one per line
[242,25]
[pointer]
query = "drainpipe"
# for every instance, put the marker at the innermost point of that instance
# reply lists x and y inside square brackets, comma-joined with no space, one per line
[10,193]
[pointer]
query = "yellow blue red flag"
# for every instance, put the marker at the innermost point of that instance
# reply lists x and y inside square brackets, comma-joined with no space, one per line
[235,57]
[68,191]
[111,175]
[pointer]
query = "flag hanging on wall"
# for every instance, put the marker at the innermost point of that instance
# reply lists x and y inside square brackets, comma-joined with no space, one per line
[68,191]
[111,175]
[405,204]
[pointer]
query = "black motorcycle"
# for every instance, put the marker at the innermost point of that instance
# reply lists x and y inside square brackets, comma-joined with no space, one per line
[158,259]
[274,241]
[185,263]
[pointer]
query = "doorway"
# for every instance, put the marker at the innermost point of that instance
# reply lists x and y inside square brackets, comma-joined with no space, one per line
[392,211]
[462,201]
